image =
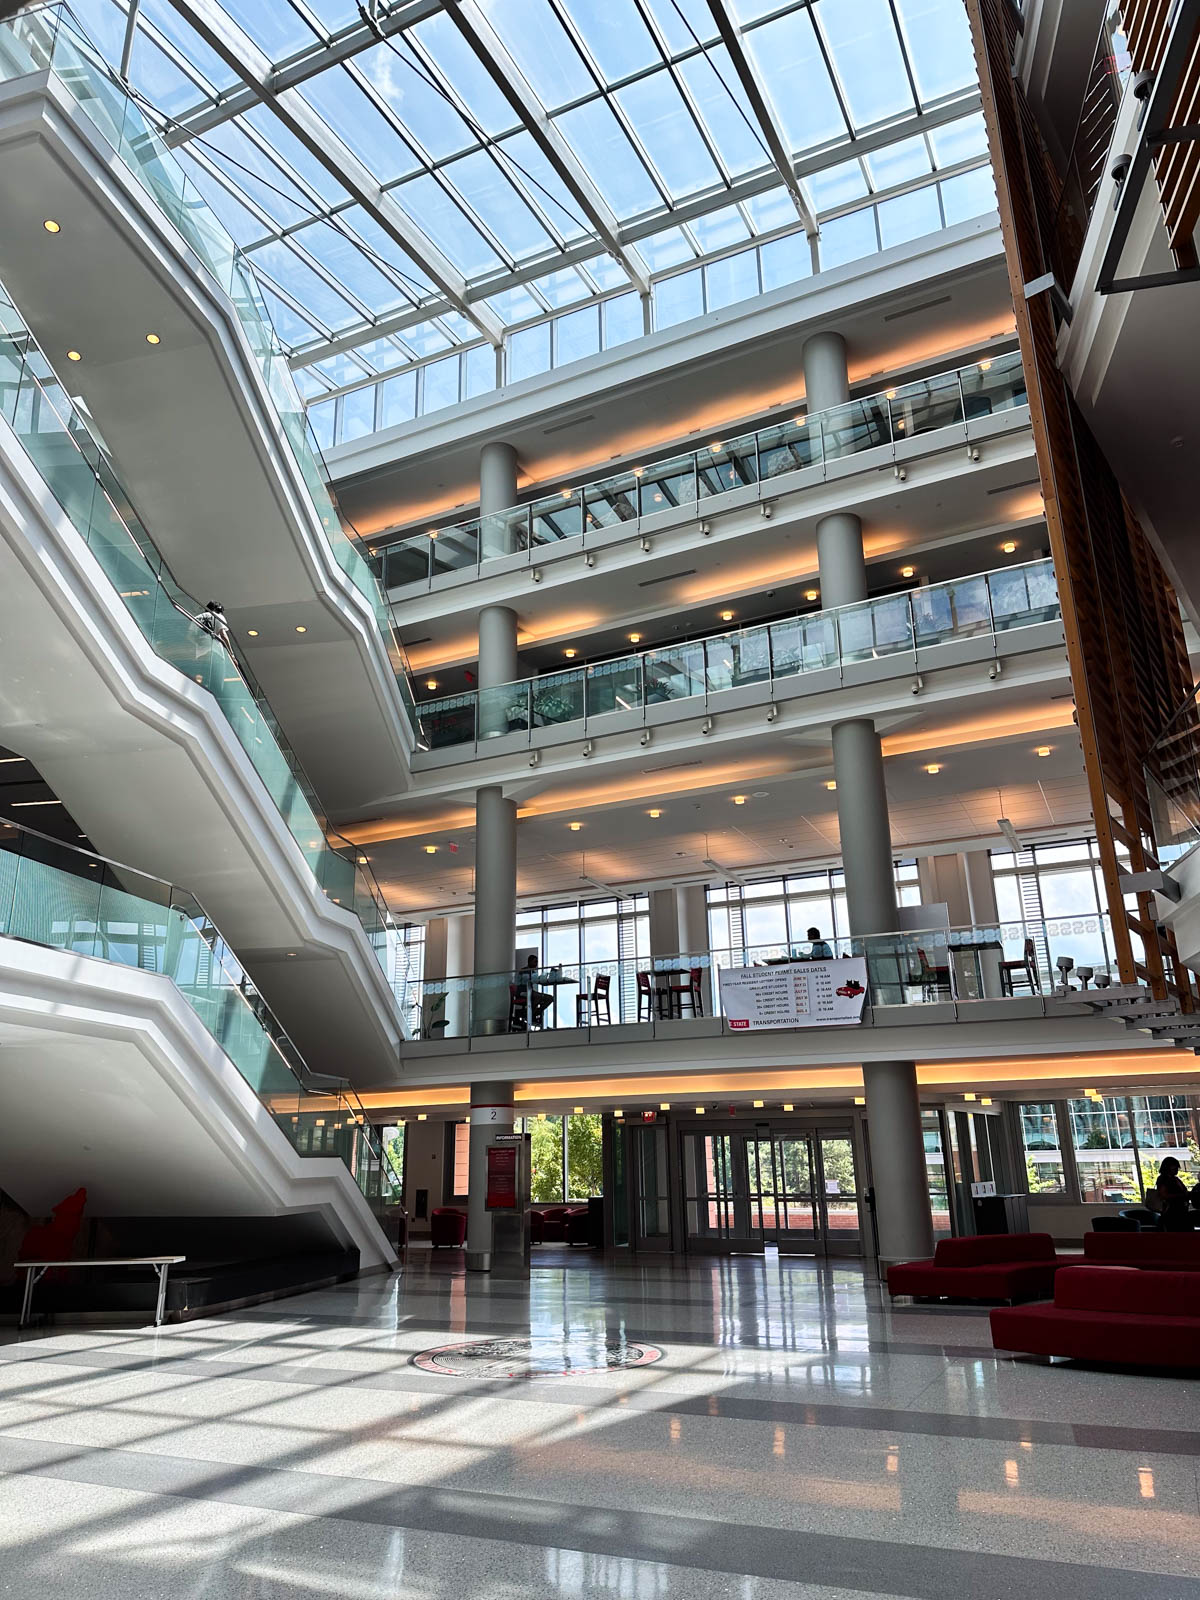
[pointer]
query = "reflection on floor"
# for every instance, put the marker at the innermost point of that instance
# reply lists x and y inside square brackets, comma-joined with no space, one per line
[797,1438]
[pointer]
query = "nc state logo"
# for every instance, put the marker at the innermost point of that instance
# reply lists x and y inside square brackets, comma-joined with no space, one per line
[738,1022]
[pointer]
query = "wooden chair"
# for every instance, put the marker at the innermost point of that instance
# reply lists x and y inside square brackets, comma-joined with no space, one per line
[518,1008]
[1024,971]
[650,995]
[688,990]
[933,980]
[596,1004]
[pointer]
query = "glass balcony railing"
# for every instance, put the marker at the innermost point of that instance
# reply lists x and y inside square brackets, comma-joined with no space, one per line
[777,652]
[80,477]
[1172,771]
[958,967]
[819,441]
[50,38]
[55,895]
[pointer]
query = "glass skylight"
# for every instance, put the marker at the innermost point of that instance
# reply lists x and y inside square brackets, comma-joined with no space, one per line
[410,179]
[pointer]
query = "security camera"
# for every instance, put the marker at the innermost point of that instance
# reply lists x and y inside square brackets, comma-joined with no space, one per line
[995,670]
[902,474]
[917,684]
[645,739]
[1119,170]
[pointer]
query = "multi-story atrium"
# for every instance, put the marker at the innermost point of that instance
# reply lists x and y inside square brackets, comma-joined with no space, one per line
[598,970]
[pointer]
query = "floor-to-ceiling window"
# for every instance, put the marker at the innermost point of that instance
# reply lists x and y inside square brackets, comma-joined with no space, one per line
[1106,1149]
[770,915]
[590,939]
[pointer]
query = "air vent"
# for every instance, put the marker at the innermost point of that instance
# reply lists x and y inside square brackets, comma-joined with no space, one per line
[575,422]
[667,577]
[1025,483]
[911,311]
[673,766]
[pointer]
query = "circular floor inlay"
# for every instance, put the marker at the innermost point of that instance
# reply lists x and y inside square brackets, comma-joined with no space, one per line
[535,1358]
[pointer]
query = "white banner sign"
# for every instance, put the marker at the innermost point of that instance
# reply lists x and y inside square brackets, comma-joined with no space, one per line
[798,994]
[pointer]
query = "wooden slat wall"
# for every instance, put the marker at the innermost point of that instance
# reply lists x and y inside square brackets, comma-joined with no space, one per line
[1129,666]
[1176,166]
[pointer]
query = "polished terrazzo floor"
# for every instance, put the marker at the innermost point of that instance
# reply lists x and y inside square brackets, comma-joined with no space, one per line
[798,1438]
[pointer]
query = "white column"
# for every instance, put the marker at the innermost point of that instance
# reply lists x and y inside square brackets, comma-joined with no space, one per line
[981,887]
[691,917]
[495,906]
[460,963]
[492,1113]
[497,492]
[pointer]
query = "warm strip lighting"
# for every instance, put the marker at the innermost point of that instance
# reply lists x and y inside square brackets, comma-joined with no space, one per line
[16,804]
[51,226]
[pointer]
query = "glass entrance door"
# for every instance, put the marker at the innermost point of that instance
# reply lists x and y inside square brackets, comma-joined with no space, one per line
[651,1187]
[722,1199]
[796,1189]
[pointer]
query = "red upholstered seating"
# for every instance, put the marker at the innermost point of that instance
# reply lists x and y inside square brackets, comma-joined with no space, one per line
[1110,1314]
[985,1266]
[1164,1252]
[447,1226]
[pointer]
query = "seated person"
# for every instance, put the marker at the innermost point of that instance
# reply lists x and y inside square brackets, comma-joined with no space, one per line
[539,1001]
[819,950]
[1174,1198]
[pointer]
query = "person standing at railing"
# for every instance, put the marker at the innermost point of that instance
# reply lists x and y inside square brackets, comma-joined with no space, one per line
[818,949]
[212,620]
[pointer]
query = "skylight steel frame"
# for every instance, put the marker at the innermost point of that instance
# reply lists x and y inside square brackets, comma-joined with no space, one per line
[276,86]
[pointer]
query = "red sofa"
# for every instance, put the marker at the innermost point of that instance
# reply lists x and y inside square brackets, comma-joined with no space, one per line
[447,1226]
[1161,1252]
[552,1224]
[985,1266]
[1122,1314]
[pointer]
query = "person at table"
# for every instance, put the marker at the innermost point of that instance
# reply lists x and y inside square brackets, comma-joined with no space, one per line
[539,1001]
[818,949]
[1174,1198]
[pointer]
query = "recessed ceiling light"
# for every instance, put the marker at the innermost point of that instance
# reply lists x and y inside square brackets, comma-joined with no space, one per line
[1043,750]
[252,633]
[655,812]
[933,768]
[739,799]
[810,594]
[699,1111]
[51,226]
[152,338]
[430,849]
[618,1112]
[300,628]
[291,954]
[431,683]
[73,355]
[664,1105]
[577,1110]
[541,1116]
[985,1100]
[727,616]
[570,654]
[422,1116]
[362,860]
[1009,546]
[758,1105]
[635,638]
[574,826]
[860,1099]
[830,784]
[908,572]
[789,1108]
[968,1096]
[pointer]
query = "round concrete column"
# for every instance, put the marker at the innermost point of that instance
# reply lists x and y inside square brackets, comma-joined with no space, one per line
[491,1114]
[498,668]
[865,830]
[460,955]
[841,560]
[497,492]
[495,907]
[826,375]
[898,1161]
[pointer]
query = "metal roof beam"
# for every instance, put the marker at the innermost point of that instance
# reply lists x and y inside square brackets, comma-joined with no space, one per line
[731,37]
[238,51]
[504,73]
[306,64]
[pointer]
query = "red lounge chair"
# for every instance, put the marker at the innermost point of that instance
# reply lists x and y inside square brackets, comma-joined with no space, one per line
[448,1227]
[986,1266]
[1124,1314]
